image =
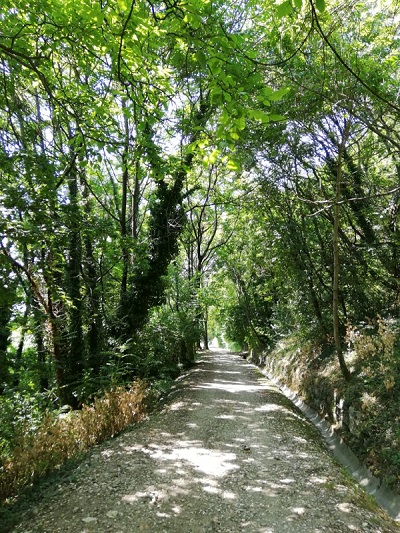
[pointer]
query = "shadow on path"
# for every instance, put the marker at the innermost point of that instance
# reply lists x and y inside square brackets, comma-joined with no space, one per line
[229,453]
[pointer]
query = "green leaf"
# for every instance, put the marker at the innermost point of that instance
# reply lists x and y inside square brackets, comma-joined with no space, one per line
[233,165]
[225,118]
[122,5]
[194,20]
[298,3]
[215,67]
[240,123]
[284,9]
[215,94]
[213,156]
[278,118]
[259,115]
[227,96]
[201,58]
[320,5]
[279,94]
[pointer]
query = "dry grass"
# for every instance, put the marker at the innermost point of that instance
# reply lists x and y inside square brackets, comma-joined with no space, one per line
[59,438]
[367,409]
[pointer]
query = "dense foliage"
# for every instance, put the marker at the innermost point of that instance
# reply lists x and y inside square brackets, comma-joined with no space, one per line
[171,171]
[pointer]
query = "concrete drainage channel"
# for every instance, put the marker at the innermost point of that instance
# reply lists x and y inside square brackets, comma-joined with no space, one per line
[372,485]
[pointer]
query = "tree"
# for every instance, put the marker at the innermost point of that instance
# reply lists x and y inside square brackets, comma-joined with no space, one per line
[129,128]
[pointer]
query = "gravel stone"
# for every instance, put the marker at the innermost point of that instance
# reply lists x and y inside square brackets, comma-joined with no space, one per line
[228,453]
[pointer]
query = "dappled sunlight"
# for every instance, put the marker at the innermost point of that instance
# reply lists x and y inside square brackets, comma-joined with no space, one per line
[231,387]
[185,458]
[273,408]
[218,372]
[214,489]
[181,461]
[242,441]
[226,453]
[345,507]
[150,494]
[184,406]
[300,440]
[233,402]
[318,480]
[178,405]
[254,489]
[107,453]
[342,488]
[208,461]
[292,414]
[275,486]
[298,510]
[228,381]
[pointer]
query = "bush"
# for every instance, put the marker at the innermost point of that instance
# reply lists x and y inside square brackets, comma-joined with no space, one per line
[165,345]
[366,410]
[17,408]
[375,397]
[58,438]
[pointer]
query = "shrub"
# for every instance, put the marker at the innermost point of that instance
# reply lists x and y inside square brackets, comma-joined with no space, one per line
[374,396]
[58,438]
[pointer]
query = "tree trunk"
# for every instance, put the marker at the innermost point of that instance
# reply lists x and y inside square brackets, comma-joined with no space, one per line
[124,204]
[336,262]
[76,355]
[94,335]
[20,350]
[205,330]
[5,316]
[42,354]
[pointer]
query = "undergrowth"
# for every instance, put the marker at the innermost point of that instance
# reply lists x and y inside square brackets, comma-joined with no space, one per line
[37,452]
[366,409]
[374,396]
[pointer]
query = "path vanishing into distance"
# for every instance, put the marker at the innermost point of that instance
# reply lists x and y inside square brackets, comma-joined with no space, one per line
[227,453]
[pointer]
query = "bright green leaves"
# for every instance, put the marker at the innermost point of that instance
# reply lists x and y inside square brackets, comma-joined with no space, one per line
[212,157]
[240,123]
[277,118]
[264,117]
[259,115]
[193,20]
[235,94]
[232,165]
[275,96]
[122,4]
[266,96]
[320,5]
[284,9]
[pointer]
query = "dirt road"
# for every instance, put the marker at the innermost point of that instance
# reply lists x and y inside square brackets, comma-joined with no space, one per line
[228,453]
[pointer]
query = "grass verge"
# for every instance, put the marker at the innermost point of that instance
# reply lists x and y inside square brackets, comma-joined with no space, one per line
[57,439]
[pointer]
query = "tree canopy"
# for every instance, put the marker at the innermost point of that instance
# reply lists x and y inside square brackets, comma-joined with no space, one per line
[171,171]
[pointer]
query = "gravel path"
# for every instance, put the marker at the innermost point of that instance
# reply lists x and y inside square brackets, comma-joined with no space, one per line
[228,453]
